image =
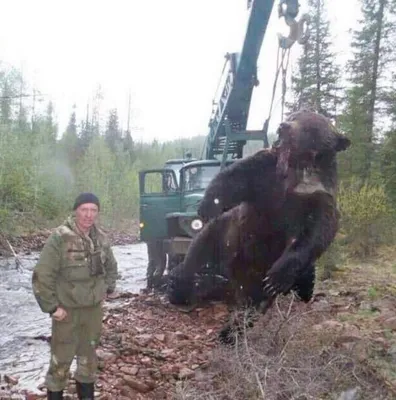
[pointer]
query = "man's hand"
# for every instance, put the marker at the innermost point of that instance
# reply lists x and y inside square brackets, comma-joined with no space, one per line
[60,314]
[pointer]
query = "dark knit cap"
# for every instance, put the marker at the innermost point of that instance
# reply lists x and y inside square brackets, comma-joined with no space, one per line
[84,198]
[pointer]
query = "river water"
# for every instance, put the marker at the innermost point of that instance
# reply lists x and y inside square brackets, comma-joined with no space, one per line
[21,318]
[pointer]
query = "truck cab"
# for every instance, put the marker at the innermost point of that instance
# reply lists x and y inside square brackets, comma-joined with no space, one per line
[168,204]
[177,163]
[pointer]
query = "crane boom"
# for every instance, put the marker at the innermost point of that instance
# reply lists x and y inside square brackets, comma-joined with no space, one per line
[232,108]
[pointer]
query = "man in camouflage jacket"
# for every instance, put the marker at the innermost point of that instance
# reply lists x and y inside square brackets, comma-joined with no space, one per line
[75,273]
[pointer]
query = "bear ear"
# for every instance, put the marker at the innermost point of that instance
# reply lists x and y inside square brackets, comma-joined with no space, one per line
[283,128]
[342,143]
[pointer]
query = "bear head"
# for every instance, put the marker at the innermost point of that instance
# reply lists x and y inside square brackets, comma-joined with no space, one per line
[306,148]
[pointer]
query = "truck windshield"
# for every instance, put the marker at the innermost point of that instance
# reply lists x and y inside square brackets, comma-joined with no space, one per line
[198,177]
[176,168]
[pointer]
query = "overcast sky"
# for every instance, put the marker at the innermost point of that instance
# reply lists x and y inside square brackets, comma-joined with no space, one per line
[168,53]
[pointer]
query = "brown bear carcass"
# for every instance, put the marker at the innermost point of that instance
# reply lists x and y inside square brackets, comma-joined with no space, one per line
[271,215]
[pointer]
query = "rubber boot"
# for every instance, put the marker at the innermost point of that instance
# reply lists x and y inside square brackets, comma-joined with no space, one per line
[85,391]
[54,395]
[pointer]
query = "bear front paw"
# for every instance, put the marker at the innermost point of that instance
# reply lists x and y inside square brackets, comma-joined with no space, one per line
[270,289]
[180,288]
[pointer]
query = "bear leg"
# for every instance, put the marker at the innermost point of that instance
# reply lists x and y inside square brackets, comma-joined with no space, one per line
[305,284]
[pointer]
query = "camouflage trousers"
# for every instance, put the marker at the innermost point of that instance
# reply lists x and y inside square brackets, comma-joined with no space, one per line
[77,335]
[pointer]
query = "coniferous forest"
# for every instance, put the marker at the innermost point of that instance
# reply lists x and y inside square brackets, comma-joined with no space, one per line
[42,169]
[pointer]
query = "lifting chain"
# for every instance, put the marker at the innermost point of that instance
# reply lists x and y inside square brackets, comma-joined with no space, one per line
[289,10]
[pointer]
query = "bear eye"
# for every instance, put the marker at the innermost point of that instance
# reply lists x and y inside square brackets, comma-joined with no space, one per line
[216,201]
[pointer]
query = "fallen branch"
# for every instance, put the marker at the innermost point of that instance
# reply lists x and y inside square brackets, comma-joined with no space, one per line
[18,263]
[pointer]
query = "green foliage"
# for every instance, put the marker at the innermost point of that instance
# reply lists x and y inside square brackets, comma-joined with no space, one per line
[328,263]
[366,218]
[363,113]
[316,81]
[388,166]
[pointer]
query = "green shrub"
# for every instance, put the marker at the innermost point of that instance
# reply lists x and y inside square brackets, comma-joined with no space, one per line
[366,218]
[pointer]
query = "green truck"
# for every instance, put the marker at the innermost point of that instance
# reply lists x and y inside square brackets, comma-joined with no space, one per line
[169,196]
[168,211]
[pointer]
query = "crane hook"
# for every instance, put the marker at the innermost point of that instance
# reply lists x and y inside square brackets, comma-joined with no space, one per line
[289,10]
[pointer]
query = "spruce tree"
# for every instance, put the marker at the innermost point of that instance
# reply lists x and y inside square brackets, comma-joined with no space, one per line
[315,84]
[113,134]
[366,70]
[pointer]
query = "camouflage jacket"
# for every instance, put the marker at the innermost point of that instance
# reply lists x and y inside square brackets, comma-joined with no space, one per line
[74,270]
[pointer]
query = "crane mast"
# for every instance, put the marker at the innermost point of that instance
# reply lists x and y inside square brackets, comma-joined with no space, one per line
[231,110]
[227,126]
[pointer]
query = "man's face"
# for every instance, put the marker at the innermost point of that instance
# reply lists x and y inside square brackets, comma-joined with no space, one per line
[86,215]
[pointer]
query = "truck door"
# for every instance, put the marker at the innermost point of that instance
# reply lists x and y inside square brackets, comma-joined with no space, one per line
[159,195]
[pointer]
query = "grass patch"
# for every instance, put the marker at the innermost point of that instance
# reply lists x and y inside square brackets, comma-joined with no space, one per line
[305,352]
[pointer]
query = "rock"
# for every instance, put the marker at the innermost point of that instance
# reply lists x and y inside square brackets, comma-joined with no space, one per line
[390,323]
[160,337]
[144,339]
[136,384]
[392,353]
[11,380]
[220,311]
[32,396]
[321,305]
[169,369]
[364,305]
[167,352]
[186,373]
[380,341]
[128,392]
[181,335]
[104,355]
[385,304]
[350,394]
[72,389]
[330,324]
[350,333]
[129,370]
[150,383]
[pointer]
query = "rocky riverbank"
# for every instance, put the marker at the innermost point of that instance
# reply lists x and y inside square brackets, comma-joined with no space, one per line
[342,345]
[328,349]
[147,348]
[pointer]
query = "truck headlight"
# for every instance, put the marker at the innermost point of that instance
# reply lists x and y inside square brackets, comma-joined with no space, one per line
[196,224]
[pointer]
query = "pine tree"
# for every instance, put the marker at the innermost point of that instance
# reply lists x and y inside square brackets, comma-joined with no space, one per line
[315,85]
[367,67]
[70,140]
[113,133]
[388,148]
[72,125]
[7,95]
[86,134]
[96,121]
[129,147]
[50,126]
